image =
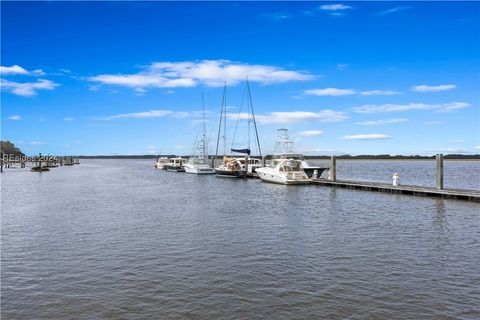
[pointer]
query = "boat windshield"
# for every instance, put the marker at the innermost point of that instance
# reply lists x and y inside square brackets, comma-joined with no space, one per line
[289,166]
[198,161]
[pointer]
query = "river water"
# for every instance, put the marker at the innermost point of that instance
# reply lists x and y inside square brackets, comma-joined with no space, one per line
[118,239]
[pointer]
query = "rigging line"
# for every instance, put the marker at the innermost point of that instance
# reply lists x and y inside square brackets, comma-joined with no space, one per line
[220,123]
[238,118]
[253,117]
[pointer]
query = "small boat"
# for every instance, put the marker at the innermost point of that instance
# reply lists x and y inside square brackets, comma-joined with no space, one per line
[284,150]
[175,164]
[161,162]
[231,168]
[198,162]
[39,169]
[284,171]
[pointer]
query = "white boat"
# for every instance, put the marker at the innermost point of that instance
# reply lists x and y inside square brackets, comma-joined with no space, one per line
[175,164]
[284,171]
[161,162]
[237,166]
[198,162]
[284,150]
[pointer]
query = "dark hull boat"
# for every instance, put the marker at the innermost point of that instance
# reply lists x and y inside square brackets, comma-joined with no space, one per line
[39,169]
[174,168]
[231,173]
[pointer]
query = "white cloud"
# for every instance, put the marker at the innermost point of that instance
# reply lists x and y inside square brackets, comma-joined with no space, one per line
[15,117]
[445,107]
[310,133]
[342,66]
[371,136]
[211,73]
[27,89]
[68,119]
[294,117]
[140,115]
[425,88]
[334,7]
[392,10]
[379,93]
[477,147]
[329,92]
[37,143]
[381,122]
[18,70]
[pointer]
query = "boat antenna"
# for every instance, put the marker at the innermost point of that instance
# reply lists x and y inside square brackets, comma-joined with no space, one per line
[253,117]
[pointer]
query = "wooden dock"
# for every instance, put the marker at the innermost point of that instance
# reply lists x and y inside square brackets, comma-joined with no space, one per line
[458,194]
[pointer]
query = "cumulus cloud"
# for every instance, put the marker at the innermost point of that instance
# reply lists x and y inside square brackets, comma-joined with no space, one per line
[379,93]
[211,73]
[310,133]
[18,70]
[425,88]
[15,117]
[334,92]
[370,136]
[140,115]
[334,7]
[441,108]
[381,122]
[294,117]
[27,89]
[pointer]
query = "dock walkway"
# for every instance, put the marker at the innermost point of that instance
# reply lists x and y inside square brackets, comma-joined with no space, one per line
[460,194]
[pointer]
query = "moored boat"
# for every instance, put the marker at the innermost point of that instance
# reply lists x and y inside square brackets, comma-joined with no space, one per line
[284,150]
[285,171]
[175,165]
[161,162]
[198,162]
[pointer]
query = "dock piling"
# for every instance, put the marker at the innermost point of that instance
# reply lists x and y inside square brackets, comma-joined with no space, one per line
[333,168]
[439,172]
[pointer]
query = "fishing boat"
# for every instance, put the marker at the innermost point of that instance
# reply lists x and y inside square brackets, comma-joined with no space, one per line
[175,165]
[39,169]
[198,162]
[284,149]
[161,162]
[238,166]
[284,171]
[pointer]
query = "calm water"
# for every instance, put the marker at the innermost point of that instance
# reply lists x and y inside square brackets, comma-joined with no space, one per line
[117,239]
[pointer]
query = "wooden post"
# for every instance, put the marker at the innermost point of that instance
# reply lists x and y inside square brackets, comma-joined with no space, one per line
[264,161]
[246,165]
[333,168]
[439,172]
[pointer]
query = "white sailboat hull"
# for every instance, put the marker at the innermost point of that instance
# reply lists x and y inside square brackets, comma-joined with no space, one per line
[198,169]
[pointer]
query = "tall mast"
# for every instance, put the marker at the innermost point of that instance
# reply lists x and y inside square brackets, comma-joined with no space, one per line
[204,145]
[220,123]
[225,120]
[253,117]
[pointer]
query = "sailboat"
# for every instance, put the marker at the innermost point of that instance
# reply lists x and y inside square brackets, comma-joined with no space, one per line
[235,166]
[198,162]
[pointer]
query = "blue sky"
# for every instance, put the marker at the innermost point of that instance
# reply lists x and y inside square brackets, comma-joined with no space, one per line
[343,77]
